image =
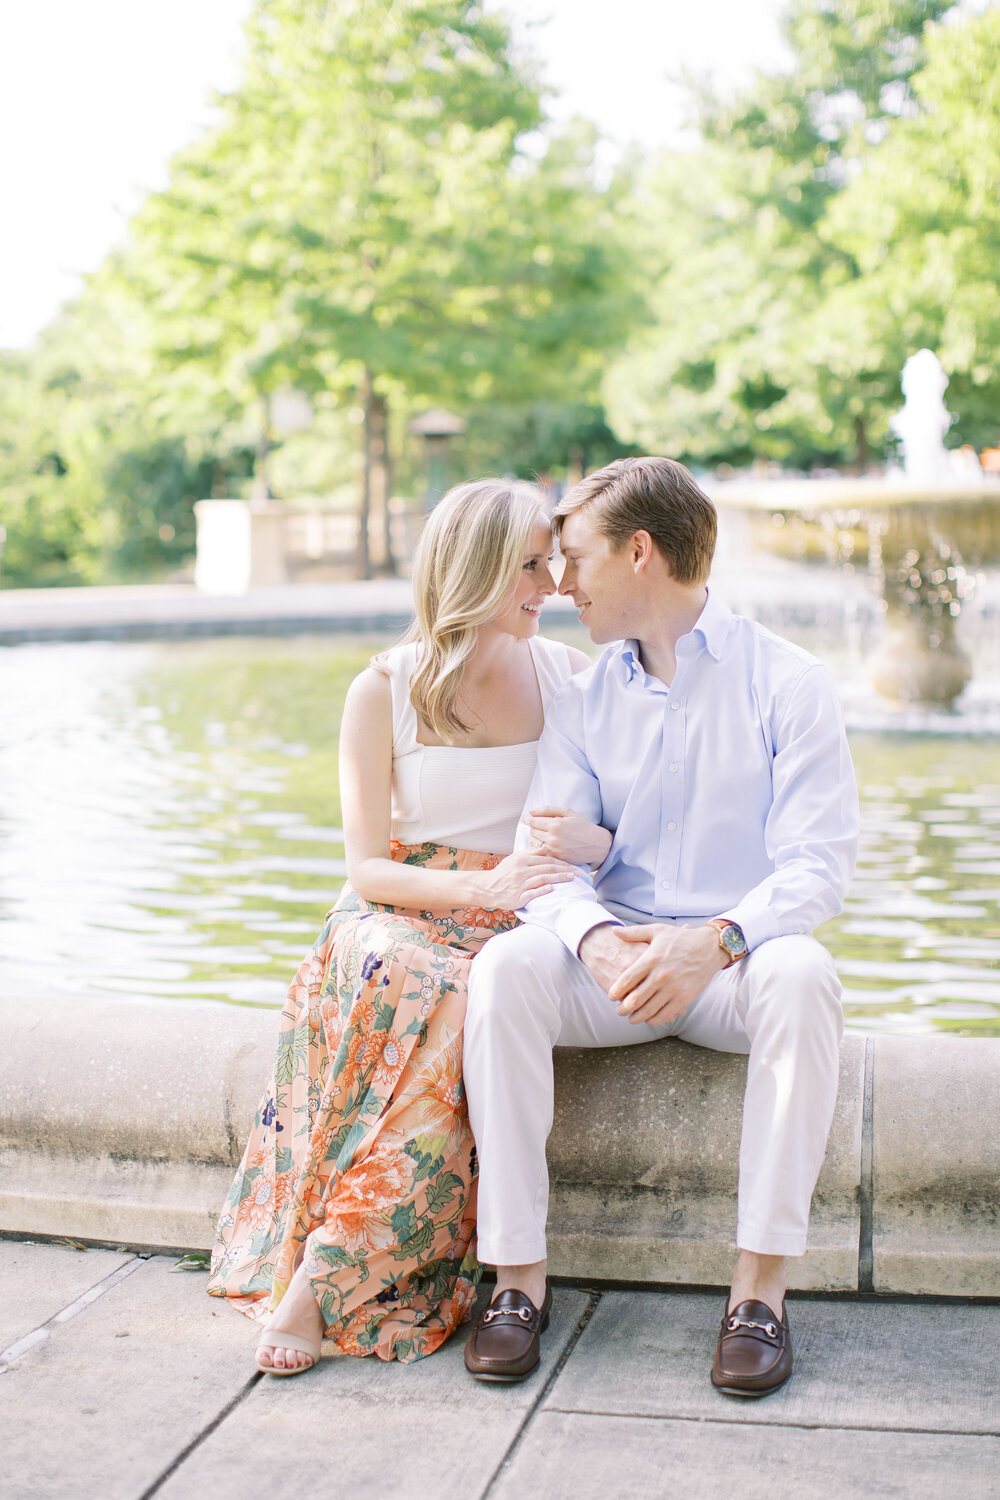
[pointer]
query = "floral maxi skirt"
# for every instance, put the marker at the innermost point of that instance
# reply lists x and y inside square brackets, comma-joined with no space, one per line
[361,1159]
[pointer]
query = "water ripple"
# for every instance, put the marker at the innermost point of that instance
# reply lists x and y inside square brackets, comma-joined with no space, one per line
[170,825]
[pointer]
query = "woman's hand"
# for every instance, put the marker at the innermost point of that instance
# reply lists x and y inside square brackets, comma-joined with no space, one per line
[518,879]
[568,835]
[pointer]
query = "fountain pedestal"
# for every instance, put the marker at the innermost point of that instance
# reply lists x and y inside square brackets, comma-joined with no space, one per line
[919,659]
[922,541]
[922,524]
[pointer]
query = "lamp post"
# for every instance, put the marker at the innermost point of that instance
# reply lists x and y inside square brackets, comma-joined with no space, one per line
[437,428]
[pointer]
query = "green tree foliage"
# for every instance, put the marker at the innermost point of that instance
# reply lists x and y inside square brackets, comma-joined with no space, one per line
[756,343]
[368,219]
[922,224]
[95,484]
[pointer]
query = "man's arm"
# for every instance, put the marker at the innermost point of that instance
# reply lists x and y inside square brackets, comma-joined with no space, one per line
[564,776]
[811,831]
[811,836]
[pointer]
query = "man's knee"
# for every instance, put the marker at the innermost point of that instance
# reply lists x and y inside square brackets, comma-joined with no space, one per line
[515,969]
[797,975]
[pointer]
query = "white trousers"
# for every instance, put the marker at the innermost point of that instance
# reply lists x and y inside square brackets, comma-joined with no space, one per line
[527,993]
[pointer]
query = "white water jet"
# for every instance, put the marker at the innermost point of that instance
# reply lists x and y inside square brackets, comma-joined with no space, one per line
[923,422]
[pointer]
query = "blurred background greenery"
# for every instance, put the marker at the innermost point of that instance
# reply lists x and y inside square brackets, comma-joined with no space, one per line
[384,219]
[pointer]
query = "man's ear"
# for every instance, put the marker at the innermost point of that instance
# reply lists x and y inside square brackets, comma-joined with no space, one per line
[642,547]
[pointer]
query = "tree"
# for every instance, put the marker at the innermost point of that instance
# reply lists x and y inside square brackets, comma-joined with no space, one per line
[922,223]
[368,219]
[742,358]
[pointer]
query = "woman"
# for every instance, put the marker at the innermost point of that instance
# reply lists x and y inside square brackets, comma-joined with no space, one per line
[353,1213]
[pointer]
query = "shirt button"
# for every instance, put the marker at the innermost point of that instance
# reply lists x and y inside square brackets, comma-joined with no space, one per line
[671,826]
[675,706]
[665,884]
[672,766]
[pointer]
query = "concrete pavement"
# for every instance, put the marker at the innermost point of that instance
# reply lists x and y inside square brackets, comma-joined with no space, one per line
[120,1380]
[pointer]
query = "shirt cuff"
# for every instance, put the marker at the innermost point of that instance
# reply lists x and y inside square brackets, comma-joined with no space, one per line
[756,927]
[579,918]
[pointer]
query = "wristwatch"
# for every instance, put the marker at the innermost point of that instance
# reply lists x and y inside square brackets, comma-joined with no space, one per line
[731,939]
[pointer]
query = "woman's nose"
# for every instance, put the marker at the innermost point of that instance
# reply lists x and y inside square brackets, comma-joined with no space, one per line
[546,583]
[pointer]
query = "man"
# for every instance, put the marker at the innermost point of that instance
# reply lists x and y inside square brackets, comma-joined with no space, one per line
[715,754]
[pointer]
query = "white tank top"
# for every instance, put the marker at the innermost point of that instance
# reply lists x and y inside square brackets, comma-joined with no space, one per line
[447,794]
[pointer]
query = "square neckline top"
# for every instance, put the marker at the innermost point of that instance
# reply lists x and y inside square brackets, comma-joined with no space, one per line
[465,797]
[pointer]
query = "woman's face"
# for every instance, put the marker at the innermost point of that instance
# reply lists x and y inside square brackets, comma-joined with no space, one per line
[534,584]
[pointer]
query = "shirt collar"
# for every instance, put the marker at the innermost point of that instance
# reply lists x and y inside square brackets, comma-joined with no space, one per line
[711,626]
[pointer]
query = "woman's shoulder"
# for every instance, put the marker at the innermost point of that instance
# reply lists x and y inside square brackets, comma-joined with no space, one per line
[370,690]
[396,661]
[394,670]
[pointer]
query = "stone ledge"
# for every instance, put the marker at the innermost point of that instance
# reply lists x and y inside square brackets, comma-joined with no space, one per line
[123,1121]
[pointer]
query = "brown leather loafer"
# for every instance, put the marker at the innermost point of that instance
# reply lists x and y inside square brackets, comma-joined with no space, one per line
[754,1353]
[504,1342]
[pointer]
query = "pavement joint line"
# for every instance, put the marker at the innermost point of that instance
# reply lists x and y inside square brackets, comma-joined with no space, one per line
[866,1185]
[529,1417]
[818,1426]
[206,1432]
[41,1333]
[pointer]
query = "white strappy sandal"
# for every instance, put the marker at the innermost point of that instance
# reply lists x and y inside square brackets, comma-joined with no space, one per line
[286,1341]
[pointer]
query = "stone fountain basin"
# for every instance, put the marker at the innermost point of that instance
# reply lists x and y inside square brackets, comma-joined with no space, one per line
[123,1122]
[921,541]
[821,494]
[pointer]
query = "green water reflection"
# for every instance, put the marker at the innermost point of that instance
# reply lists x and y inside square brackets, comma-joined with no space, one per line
[170,825]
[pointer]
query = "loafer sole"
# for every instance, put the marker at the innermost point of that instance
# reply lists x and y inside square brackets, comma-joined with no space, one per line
[504,1379]
[742,1390]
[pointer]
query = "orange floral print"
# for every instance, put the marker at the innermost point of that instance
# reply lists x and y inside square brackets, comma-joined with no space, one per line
[358,1212]
[361,1162]
[475,916]
[388,1055]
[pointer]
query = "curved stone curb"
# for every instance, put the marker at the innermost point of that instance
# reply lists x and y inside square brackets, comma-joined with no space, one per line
[123,1121]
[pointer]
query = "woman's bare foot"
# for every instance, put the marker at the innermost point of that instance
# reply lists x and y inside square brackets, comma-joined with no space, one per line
[298,1315]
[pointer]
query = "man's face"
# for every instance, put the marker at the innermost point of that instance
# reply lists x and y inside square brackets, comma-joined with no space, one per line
[600,582]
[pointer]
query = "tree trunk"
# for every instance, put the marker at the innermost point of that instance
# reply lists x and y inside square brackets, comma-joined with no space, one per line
[261,487]
[864,452]
[374,539]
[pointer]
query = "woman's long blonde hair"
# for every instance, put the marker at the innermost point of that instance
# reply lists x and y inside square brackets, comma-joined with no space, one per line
[465,571]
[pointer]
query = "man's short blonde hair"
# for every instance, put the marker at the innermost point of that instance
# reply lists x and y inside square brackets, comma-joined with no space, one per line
[657,495]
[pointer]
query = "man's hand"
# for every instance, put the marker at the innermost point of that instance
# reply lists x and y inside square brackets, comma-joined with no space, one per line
[605,953]
[670,969]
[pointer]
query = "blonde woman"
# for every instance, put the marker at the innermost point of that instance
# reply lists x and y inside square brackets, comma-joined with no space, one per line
[352,1217]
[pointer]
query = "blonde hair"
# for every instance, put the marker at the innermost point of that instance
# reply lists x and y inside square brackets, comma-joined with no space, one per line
[657,495]
[465,571]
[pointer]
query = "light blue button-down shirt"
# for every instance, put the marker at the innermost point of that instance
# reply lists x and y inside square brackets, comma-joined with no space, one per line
[729,793]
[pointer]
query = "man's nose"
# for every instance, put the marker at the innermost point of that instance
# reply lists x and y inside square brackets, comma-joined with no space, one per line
[567,582]
[546,582]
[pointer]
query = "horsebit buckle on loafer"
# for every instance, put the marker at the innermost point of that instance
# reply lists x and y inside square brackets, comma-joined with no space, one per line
[771,1329]
[512,1312]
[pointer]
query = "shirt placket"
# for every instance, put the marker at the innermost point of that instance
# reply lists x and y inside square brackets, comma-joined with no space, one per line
[668,852]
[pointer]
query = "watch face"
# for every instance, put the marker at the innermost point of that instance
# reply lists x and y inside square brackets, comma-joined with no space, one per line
[733,940]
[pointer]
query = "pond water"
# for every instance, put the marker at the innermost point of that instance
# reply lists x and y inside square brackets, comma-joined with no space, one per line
[170,826]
